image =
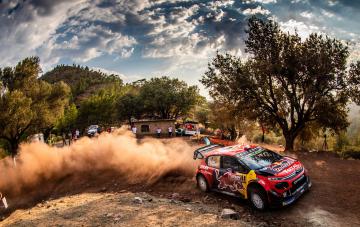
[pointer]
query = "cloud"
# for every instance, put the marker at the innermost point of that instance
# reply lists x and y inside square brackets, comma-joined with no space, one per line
[110,72]
[304,30]
[262,1]
[181,35]
[257,10]
[26,25]
[307,14]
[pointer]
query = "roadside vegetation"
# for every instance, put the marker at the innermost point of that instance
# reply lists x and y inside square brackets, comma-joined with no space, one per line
[289,91]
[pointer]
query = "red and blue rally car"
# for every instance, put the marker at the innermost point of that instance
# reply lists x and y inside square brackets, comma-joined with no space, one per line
[251,172]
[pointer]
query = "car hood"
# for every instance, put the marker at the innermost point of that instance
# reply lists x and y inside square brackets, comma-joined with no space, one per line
[282,168]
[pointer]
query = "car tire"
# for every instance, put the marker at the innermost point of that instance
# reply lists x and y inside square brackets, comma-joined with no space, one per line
[202,183]
[258,198]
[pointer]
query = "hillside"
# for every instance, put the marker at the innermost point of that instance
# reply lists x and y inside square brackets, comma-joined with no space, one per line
[82,80]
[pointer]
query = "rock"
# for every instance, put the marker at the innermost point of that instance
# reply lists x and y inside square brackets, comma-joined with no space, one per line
[185,199]
[103,189]
[138,200]
[150,199]
[122,191]
[48,206]
[262,224]
[175,196]
[109,215]
[173,201]
[229,214]
[188,209]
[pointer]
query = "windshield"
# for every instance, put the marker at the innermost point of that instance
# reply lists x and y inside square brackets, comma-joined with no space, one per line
[258,157]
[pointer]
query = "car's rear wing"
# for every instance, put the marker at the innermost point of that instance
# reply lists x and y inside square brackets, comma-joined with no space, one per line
[200,152]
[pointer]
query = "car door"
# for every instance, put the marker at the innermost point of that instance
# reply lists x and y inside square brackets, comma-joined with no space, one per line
[232,175]
[213,166]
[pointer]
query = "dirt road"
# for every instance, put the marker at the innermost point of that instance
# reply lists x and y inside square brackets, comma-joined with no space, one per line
[333,200]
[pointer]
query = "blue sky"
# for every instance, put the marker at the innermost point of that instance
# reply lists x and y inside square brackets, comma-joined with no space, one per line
[143,38]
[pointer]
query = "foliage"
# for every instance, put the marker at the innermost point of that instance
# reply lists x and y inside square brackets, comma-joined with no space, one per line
[83,81]
[99,109]
[69,119]
[285,81]
[168,98]
[130,105]
[29,105]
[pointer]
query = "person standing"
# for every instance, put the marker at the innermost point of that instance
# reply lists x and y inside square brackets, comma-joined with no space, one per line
[64,139]
[77,134]
[170,129]
[70,137]
[134,130]
[158,132]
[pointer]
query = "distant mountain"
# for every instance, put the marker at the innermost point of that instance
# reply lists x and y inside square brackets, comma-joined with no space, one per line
[82,80]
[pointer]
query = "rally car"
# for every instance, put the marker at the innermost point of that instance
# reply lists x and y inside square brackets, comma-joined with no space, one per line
[251,172]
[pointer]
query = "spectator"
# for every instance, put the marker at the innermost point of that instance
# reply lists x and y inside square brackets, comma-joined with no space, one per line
[158,132]
[170,131]
[134,130]
[77,134]
[64,138]
[70,137]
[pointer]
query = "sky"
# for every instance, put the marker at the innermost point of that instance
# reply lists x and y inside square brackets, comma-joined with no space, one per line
[139,39]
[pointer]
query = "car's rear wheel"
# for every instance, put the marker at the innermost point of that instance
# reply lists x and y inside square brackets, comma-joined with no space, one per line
[202,183]
[258,198]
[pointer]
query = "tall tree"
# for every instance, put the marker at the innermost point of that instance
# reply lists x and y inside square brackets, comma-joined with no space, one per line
[168,98]
[28,105]
[286,80]
[99,108]
[130,106]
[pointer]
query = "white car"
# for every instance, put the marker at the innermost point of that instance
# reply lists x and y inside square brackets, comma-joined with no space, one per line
[92,130]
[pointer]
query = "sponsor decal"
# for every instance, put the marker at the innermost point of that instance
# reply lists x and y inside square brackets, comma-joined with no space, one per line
[230,180]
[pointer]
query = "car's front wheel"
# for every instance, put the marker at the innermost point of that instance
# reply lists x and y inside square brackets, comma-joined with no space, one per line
[202,183]
[258,198]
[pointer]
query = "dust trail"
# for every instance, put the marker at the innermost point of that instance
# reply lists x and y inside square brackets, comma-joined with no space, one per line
[243,140]
[146,161]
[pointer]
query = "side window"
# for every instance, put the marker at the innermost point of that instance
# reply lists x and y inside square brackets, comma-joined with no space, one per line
[214,161]
[232,163]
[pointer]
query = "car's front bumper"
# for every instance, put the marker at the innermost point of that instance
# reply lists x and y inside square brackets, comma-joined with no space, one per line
[278,200]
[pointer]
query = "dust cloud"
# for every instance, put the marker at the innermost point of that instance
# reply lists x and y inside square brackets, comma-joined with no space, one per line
[145,161]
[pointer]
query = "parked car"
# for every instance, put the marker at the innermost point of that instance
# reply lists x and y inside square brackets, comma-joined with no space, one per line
[191,128]
[92,130]
[179,132]
[264,177]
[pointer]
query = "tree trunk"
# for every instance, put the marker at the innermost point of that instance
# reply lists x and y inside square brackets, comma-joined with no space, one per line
[289,139]
[263,134]
[13,148]
[233,133]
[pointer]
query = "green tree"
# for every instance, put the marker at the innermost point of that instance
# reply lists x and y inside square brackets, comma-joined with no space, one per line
[69,119]
[28,105]
[130,106]
[286,80]
[98,109]
[168,98]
